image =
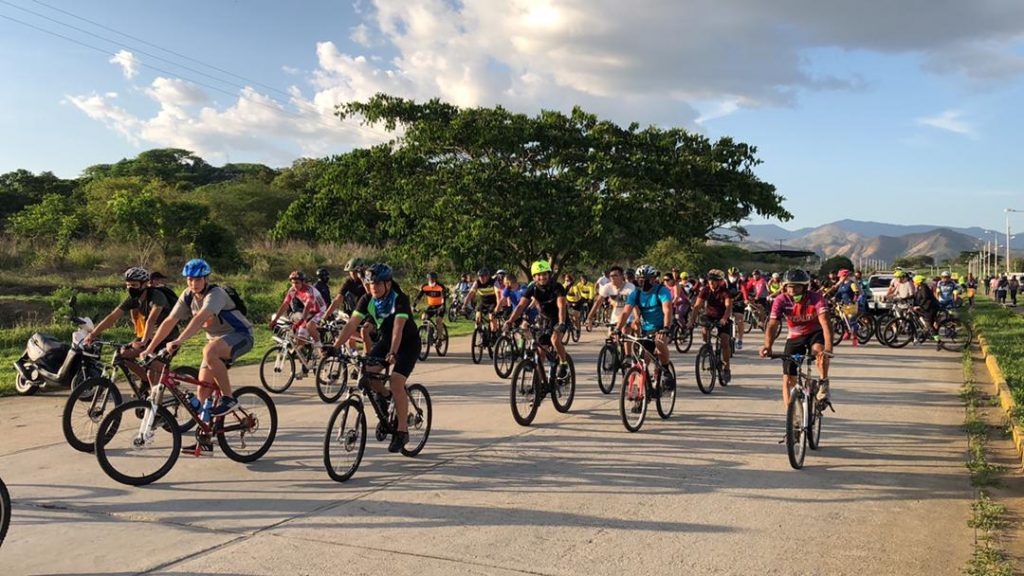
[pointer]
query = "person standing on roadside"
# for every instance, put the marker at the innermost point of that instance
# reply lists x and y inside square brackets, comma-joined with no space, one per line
[1014,286]
[1002,286]
[972,288]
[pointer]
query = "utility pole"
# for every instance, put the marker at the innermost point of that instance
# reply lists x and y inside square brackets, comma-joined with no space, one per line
[1008,210]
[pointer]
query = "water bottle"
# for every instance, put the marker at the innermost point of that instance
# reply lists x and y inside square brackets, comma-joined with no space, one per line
[193,401]
[207,407]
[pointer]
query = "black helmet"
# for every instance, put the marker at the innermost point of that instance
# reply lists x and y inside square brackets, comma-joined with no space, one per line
[796,276]
[297,275]
[322,273]
[483,272]
[431,275]
[378,273]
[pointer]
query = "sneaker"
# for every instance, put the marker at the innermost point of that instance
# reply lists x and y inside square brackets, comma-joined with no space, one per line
[203,448]
[739,344]
[667,381]
[398,440]
[227,404]
[726,376]
[823,390]
[636,408]
[563,371]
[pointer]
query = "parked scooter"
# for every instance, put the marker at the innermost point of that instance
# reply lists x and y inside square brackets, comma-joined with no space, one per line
[50,363]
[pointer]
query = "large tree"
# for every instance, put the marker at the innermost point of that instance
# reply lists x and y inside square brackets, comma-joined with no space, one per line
[485,185]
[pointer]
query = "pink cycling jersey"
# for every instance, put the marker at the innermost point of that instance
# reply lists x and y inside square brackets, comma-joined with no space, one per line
[311,299]
[802,317]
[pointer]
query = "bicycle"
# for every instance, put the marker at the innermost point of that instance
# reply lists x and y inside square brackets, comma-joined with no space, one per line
[90,401]
[277,368]
[483,338]
[512,345]
[804,413]
[5,510]
[611,362]
[154,443]
[345,439]
[909,326]
[708,364]
[847,322]
[460,305]
[333,373]
[681,335]
[429,336]
[638,386]
[530,382]
[754,315]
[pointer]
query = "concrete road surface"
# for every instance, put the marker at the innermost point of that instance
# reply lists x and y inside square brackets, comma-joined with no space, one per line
[708,491]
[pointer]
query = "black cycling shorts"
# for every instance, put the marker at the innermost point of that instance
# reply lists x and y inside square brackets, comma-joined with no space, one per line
[801,345]
[722,330]
[432,311]
[407,355]
[486,307]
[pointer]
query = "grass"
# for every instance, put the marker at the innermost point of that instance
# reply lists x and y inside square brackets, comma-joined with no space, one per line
[1004,331]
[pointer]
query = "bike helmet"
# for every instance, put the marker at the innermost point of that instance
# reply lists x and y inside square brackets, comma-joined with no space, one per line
[378,273]
[196,268]
[297,275]
[796,276]
[898,274]
[945,274]
[844,273]
[775,275]
[136,274]
[919,279]
[733,271]
[353,264]
[715,274]
[540,267]
[501,272]
[483,271]
[757,272]
[684,276]
[431,275]
[646,271]
[323,274]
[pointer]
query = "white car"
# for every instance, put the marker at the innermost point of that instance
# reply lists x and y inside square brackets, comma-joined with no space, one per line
[878,285]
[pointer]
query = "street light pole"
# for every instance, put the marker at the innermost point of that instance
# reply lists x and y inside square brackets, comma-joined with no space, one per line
[1008,210]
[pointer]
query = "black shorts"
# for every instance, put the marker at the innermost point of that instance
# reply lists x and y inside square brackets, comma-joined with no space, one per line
[722,330]
[649,345]
[432,311]
[800,345]
[486,307]
[738,306]
[407,355]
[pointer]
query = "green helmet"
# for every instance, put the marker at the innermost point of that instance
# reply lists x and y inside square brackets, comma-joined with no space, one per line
[540,267]
[353,264]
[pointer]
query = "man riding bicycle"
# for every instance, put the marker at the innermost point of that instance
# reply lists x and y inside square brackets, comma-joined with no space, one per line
[313,310]
[718,307]
[809,332]
[948,291]
[549,296]
[437,300]
[734,284]
[487,288]
[654,301]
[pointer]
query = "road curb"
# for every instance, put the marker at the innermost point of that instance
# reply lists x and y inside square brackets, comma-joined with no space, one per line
[1002,391]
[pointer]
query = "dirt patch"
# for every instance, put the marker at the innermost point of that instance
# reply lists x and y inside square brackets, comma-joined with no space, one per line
[20,313]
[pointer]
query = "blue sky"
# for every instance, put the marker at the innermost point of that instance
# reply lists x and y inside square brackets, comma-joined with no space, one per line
[896,112]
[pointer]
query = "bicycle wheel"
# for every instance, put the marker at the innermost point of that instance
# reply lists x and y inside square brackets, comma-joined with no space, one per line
[441,341]
[865,329]
[331,378]
[277,369]
[954,335]
[477,346]
[525,393]
[453,314]
[683,339]
[607,368]
[900,332]
[706,369]
[814,434]
[633,399]
[5,510]
[666,400]
[838,326]
[748,322]
[85,409]
[246,433]
[133,456]
[796,440]
[421,415]
[574,329]
[504,357]
[881,321]
[425,342]
[564,391]
[345,440]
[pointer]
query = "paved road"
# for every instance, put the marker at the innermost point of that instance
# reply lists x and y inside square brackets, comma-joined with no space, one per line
[707,492]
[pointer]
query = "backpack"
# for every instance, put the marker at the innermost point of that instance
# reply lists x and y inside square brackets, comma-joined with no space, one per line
[167,292]
[236,299]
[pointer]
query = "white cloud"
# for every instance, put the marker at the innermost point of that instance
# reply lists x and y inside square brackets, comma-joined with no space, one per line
[361,35]
[951,121]
[128,62]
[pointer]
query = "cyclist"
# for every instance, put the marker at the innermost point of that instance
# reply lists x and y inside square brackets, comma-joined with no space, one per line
[734,285]
[718,307]
[228,333]
[390,309]
[323,280]
[615,291]
[437,300]
[549,296]
[487,289]
[900,287]
[947,290]
[774,286]
[680,298]
[147,307]
[807,318]
[351,292]
[756,292]
[509,298]
[926,304]
[654,303]
[313,310]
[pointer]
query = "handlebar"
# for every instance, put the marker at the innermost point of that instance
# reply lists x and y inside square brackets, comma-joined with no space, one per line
[798,358]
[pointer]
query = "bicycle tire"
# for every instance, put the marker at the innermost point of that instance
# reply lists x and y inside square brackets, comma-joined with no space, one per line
[633,399]
[504,357]
[259,412]
[270,373]
[441,342]
[607,368]
[92,400]
[814,434]
[706,371]
[421,415]
[563,390]
[112,428]
[345,439]
[5,511]
[901,332]
[477,346]
[865,329]
[331,379]
[182,416]
[666,400]
[525,389]
[574,329]
[796,440]
[880,322]
[838,326]
[683,335]
[425,342]
[748,323]
[955,335]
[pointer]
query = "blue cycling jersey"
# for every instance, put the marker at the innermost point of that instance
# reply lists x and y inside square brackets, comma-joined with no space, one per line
[649,302]
[845,293]
[947,291]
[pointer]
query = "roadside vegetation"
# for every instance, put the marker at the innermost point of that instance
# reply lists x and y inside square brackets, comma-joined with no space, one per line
[1004,333]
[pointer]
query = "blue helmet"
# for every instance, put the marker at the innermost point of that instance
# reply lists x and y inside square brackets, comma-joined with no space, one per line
[196,268]
[378,273]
